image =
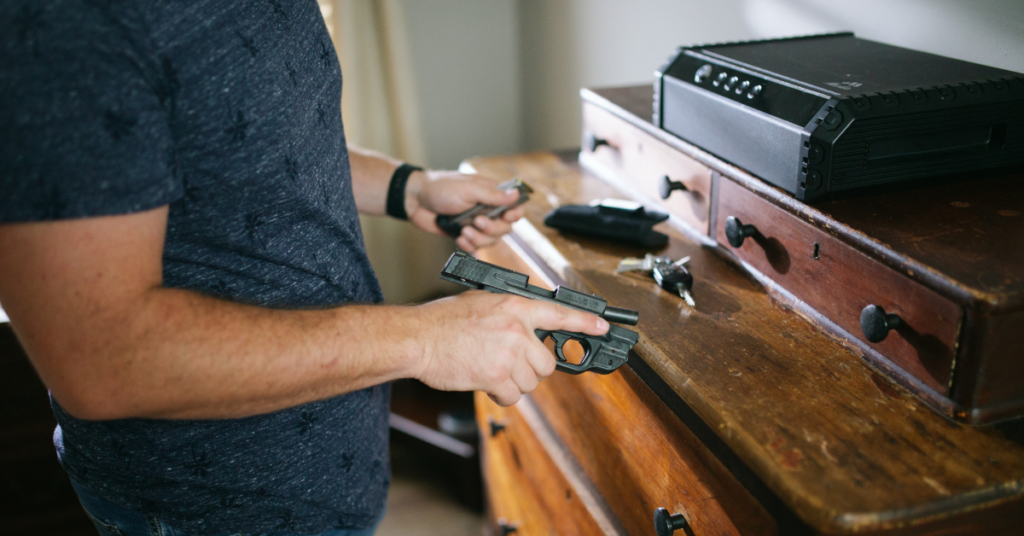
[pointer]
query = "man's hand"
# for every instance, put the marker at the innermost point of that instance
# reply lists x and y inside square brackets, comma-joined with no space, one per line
[486,342]
[430,193]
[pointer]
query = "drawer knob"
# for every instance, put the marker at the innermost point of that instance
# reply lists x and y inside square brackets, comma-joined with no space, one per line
[737,232]
[667,186]
[505,528]
[876,323]
[592,142]
[665,523]
[496,426]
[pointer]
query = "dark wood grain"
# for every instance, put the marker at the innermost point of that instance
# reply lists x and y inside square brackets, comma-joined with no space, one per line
[841,446]
[968,234]
[842,281]
[962,240]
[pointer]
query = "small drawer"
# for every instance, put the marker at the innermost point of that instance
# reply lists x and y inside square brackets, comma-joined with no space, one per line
[839,282]
[527,491]
[641,162]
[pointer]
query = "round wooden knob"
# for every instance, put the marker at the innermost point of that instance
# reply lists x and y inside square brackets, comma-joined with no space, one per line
[875,323]
[592,142]
[667,186]
[496,426]
[737,232]
[665,523]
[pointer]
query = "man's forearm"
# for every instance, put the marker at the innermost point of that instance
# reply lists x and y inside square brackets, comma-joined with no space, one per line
[186,355]
[371,175]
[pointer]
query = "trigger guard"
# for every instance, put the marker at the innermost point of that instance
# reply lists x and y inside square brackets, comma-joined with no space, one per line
[560,340]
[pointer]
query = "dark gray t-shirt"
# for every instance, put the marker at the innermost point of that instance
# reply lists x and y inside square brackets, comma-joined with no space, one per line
[229,112]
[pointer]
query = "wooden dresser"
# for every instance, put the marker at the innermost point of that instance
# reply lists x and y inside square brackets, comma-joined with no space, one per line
[763,410]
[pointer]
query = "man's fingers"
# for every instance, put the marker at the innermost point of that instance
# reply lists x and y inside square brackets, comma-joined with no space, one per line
[489,195]
[515,214]
[550,316]
[506,394]
[541,359]
[465,243]
[492,227]
[478,239]
[524,376]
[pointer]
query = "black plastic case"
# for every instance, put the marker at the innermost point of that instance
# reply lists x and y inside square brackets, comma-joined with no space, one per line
[828,115]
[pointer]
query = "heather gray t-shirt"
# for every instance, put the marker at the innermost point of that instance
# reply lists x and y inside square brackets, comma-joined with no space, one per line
[229,112]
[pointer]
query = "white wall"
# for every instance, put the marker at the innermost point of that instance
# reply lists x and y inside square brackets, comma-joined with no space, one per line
[466,57]
[983,31]
[568,44]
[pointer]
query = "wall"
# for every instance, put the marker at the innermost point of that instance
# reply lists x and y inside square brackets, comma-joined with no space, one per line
[983,31]
[466,57]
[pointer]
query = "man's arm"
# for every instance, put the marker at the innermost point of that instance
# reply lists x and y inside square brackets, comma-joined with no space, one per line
[85,298]
[429,193]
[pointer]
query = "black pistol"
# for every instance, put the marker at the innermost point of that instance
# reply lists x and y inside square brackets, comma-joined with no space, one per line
[453,224]
[601,354]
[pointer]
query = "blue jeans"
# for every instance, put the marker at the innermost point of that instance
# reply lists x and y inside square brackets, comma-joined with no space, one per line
[113,520]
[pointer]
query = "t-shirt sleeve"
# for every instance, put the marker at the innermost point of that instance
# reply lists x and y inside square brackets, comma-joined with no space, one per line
[86,113]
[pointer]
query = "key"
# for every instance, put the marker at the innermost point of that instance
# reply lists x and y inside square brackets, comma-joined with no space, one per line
[646,264]
[673,277]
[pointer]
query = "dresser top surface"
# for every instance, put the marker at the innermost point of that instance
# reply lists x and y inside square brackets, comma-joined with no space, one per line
[966,237]
[836,442]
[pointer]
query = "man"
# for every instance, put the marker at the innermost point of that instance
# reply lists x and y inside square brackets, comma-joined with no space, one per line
[178,232]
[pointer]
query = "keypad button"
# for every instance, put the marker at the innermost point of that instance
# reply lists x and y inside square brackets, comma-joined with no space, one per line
[743,87]
[702,74]
[720,78]
[755,91]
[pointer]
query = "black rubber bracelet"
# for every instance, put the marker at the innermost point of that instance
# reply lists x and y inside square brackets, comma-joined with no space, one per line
[396,191]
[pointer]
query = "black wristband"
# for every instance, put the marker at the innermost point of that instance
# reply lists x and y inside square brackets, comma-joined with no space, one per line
[396,191]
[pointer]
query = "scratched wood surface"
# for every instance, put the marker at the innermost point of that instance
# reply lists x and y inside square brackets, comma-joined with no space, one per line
[837,443]
[969,232]
[965,240]
[839,281]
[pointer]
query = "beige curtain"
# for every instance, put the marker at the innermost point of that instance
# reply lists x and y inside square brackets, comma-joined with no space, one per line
[381,112]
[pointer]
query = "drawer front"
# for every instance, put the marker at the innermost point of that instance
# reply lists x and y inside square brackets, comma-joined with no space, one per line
[525,487]
[838,282]
[640,161]
[641,457]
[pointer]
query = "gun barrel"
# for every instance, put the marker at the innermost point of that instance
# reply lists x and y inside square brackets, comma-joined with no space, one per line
[620,315]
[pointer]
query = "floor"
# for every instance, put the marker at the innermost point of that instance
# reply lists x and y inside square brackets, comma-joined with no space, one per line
[419,505]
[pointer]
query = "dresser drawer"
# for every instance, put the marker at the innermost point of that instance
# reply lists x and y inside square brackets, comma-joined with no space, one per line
[839,281]
[640,162]
[526,488]
[641,457]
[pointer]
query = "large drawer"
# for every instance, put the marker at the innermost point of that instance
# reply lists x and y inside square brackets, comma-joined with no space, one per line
[641,162]
[641,457]
[838,282]
[528,493]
